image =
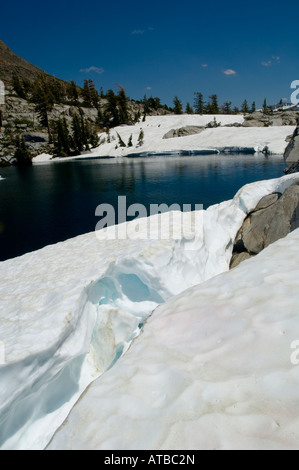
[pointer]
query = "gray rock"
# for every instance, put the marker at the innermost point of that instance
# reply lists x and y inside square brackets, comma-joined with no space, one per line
[291,153]
[183,131]
[234,124]
[267,201]
[273,218]
[293,168]
[253,123]
[295,219]
[270,224]
[237,258]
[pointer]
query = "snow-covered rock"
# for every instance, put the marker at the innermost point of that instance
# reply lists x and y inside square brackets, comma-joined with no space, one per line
[69,311]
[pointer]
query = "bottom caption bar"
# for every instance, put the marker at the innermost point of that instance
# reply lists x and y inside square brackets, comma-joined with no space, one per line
[137,458]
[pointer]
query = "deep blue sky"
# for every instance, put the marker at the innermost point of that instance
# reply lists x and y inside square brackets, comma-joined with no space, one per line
[235,49]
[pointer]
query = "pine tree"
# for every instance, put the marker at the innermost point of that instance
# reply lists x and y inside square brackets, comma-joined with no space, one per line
[44,102]
[244,107]
[226,107]
[265,107]
[141,138]
[153,103]
[22,154]
[94,95]
[212,107]
[62,144]
[146,106]
[111,114]
[178,108]
[122,101]
[253,107]
[120,141]
[77,137]
[73,92]
[18,87]
[137,117]
[100,118]
[189,109]
[86,95]
[130,141]
[199,107]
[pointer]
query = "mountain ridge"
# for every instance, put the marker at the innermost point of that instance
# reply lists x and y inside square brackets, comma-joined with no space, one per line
[12,64]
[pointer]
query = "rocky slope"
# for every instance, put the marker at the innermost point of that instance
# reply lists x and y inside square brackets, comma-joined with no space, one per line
[19,118]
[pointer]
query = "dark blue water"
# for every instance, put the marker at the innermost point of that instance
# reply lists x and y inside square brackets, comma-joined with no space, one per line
[49,203]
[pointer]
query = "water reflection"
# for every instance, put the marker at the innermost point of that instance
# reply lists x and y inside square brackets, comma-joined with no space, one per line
[50,203]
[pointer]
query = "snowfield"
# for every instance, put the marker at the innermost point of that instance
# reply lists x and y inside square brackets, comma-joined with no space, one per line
[155,127]
[211,367]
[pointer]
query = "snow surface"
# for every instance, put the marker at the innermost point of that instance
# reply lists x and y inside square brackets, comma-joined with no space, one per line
[69,311]
[211,369]
[42,158]
[155,127]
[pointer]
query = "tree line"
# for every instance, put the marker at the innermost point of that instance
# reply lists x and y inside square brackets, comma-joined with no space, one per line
[200,106]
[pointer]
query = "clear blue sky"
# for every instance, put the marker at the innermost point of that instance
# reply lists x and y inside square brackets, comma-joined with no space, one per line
[238,50]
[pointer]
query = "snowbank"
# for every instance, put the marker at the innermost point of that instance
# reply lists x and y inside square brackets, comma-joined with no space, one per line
[69,311]
[42,158]
[211,370]
[155,127]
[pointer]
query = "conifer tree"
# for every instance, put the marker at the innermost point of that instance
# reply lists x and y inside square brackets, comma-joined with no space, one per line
[178,108]
[100,118]
[146,106]
[44,102]
[122,101]
[73,92]
[226,107]
[244,107]
[62,144]
[86,95]
[18,87]
[189,109]
[141,138]
[120,141]
[111,114]
[253,107]
[77,137]
[212,107]
[137,117]
[94,95]
[130,141]
[199,107]
[22,154]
